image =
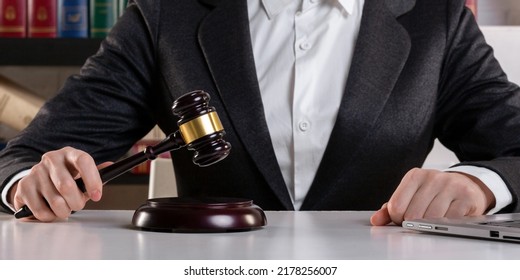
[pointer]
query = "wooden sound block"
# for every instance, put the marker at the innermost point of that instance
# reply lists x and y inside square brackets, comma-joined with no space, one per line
[205,214]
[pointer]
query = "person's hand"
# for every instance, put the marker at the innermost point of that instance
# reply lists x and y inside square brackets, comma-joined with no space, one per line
[426,193]
[50,190]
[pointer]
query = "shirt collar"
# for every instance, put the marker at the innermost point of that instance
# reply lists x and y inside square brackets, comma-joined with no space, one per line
[274,7]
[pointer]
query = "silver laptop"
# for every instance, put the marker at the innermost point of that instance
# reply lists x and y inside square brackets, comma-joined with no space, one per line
[503,227]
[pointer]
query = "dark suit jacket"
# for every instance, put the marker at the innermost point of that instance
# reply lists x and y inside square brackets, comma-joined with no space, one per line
[421,70]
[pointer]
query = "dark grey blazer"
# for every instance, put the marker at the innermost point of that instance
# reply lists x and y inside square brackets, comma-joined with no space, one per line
[421,70]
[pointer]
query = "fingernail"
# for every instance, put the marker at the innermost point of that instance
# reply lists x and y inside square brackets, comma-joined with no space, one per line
[96,195]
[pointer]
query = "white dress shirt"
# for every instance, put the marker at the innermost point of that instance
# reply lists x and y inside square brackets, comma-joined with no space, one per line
[303,51]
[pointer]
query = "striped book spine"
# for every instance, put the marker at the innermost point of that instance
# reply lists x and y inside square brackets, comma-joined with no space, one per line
[103,15]
[73,18]
[42,18]
[13,18]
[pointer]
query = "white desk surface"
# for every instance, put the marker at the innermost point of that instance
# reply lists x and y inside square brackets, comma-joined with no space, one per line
[99,234]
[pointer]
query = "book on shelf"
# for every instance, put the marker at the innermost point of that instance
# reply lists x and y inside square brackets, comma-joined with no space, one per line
[103,15]
[13,18]
[18,105]
[472,5]
[41,18]
[73,18]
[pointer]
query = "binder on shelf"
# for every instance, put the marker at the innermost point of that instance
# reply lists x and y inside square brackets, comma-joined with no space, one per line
[103,15]
[41,18]
[18,106]
[73,18]
[13,18]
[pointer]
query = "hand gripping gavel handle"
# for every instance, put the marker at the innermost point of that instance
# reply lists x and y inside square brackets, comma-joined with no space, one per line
[200,130]
[173,142]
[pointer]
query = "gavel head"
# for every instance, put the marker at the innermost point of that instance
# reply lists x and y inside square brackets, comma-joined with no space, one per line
[200,128]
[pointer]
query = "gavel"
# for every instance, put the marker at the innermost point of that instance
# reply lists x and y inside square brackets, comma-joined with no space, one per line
[200,130]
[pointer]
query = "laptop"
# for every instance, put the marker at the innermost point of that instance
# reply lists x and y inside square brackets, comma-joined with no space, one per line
[501,227]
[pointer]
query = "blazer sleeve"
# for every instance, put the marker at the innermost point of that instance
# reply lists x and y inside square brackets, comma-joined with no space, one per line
[104,109]
[478,110]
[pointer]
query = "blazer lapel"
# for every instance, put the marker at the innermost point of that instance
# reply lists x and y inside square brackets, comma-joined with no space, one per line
[380,54]
[225,40]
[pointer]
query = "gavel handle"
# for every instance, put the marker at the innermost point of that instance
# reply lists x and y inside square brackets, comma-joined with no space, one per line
[173,142]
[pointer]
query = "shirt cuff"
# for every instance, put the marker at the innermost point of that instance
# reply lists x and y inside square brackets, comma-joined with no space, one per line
[10,184]
[492,180]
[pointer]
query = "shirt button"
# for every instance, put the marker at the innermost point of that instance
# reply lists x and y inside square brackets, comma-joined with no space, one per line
[314,1]
[298,14]
[305,46]
[304,125]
